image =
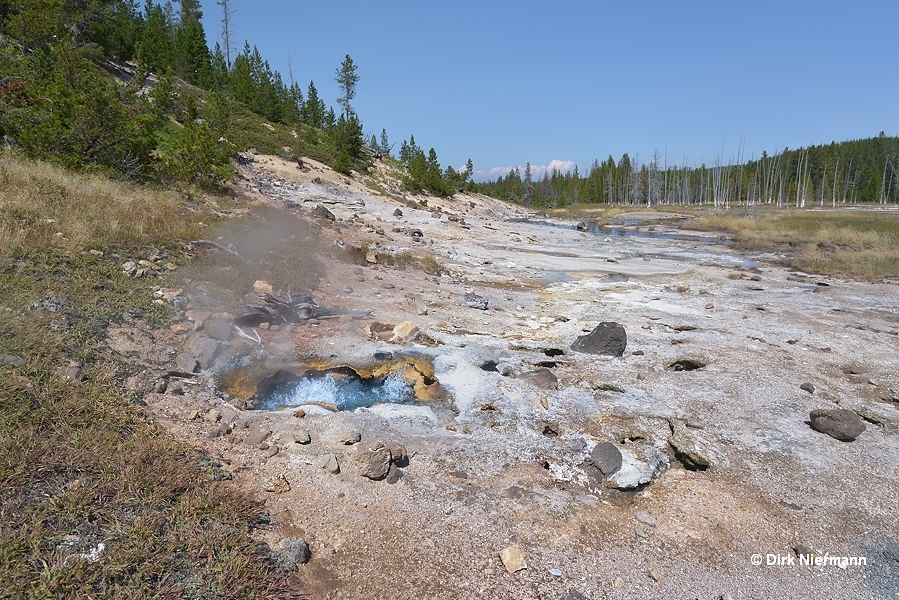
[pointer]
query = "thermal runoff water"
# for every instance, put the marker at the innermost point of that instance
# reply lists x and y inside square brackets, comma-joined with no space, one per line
[347,393]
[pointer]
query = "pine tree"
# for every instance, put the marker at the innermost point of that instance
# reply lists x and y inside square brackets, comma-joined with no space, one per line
[313,108]
[192,53]
[347,78]
[155,49]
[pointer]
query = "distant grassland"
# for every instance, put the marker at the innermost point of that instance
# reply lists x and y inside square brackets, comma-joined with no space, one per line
[861,244]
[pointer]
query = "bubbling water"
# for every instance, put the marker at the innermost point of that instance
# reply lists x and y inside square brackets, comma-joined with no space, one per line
[346,393]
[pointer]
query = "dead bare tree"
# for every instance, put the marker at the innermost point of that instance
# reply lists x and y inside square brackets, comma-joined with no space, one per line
[227,29]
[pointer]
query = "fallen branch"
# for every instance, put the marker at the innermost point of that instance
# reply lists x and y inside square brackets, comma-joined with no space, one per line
[219,247]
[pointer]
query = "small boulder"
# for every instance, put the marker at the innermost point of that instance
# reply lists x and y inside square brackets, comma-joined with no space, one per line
[688,448]
[261,288]
[350,437]
[187,362]
[323,213]
[374,463]
[607,458]
[293,552]
[256,434]
[607,339]
[277,484]
[807,387]
[842,424]
[330,464]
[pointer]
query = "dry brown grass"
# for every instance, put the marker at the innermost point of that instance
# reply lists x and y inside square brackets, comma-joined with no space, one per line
[42,205]
[80,463]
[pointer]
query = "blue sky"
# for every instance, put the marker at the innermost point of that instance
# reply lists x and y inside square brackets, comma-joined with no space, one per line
[506,83]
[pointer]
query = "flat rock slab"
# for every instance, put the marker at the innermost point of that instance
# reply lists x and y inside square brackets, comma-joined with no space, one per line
[607,339]
[543,378]
[838,423]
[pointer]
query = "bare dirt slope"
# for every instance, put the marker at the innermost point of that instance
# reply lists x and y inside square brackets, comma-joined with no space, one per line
[505,460]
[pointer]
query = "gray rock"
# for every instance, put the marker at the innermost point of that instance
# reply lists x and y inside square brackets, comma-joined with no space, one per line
[11,359]
[543,378]
[575,595]
[293,552]
[277,484]
[218,329]
[187,362]
[323,213]
[256,434]
[71,372]
[331,465]
[398,213]
[374,463]
[842,424]
[607,339]
[638,466]
[607,458]
[394,474]
[688,448]
[614,278]
[160,386]
[807,387]
[302,437]
[472,300]
[204,349]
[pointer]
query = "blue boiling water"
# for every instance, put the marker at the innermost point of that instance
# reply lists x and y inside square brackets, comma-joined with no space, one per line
[347,393]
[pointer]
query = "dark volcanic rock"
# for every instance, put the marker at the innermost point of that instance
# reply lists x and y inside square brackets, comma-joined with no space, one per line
[607,458]
[838,423]
[542,378]
[293,552]
[323,213]
[607,339]
[807,387]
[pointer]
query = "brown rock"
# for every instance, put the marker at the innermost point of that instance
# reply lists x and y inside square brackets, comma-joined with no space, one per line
[838,423]
[398,453]
[374,463]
